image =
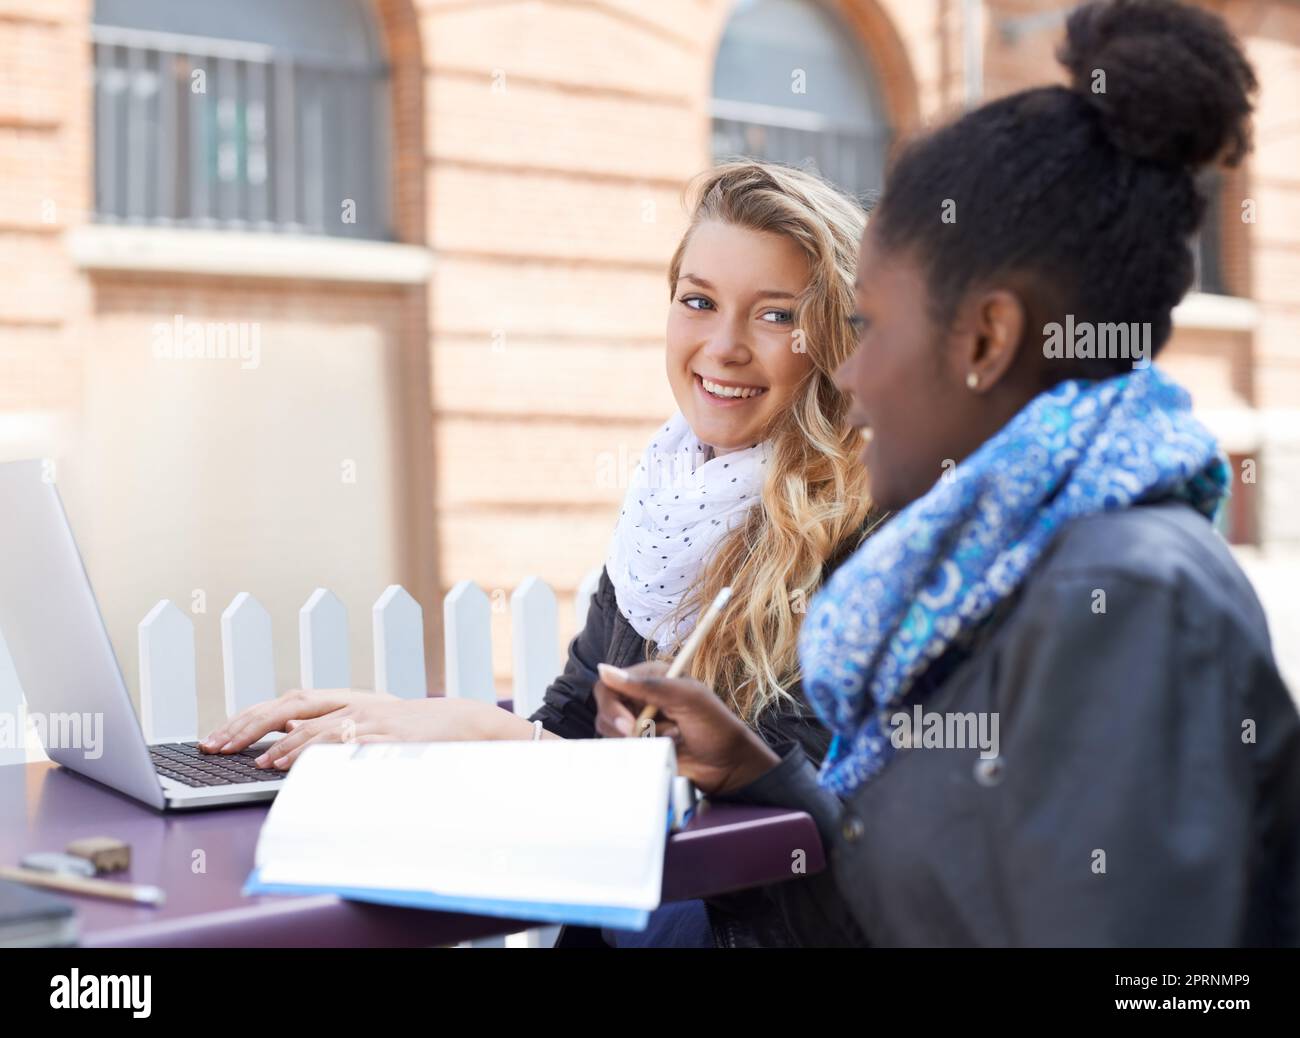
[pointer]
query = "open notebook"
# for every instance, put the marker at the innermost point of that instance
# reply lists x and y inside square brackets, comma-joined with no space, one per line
[561,831]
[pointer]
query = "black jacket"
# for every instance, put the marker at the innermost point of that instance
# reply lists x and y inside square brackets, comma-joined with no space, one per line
[569,708]
[1147,788]
[746,919]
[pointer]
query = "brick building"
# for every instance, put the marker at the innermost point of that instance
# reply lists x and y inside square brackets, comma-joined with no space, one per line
[437,230]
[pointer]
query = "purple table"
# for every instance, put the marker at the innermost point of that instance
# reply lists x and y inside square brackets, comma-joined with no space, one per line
[44,807]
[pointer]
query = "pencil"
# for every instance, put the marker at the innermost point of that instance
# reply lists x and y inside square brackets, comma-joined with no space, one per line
[145,895]
[683,658]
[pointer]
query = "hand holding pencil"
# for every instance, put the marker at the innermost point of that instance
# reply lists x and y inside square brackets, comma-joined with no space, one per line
[715,749]
[683,658]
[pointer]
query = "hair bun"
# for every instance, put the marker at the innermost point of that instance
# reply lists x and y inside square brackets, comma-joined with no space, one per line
[1169,81]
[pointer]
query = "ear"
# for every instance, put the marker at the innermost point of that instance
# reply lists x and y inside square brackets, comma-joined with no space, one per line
[994,332]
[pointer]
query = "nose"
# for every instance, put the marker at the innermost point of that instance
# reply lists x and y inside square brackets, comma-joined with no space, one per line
[728,344]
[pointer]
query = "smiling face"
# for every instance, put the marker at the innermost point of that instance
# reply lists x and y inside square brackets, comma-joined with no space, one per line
[732,361]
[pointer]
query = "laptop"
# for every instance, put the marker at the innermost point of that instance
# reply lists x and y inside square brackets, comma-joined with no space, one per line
[65,663]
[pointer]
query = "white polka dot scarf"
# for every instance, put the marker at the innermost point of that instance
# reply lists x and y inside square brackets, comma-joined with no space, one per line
[680,503]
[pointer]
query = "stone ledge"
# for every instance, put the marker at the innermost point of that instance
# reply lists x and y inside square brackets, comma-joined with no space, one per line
[1245,429]
[1216,313]
[247,254]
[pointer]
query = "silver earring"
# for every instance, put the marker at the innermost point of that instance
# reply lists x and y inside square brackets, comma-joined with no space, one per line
[972,381]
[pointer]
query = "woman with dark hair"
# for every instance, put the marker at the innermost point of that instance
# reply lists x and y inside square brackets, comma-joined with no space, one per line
[1051,580]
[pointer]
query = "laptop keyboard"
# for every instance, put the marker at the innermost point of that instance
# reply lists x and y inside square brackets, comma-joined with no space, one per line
[184,762]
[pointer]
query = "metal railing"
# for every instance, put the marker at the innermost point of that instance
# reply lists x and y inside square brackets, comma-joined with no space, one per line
[855,160]
[1207,245]
[851,157]
[199,132]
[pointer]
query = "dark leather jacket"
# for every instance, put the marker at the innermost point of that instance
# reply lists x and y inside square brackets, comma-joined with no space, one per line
[569,707]
[745,919]
[1146,790]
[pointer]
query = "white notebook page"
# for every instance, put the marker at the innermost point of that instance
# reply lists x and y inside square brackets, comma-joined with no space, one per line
[578,822]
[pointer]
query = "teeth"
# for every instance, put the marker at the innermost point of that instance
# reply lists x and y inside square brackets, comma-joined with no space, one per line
[730,391]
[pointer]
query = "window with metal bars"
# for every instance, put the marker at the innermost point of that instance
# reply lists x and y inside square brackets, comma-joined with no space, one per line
[1207,244]
[241,116]
[793,85]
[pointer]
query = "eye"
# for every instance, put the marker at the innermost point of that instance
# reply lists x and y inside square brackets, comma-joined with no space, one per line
[777,316]
[691,301]
[859,324]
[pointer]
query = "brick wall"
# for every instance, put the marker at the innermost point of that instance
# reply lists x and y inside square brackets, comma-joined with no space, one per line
[539,151]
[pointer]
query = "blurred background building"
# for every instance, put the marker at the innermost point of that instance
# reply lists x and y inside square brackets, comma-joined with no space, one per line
[429,239]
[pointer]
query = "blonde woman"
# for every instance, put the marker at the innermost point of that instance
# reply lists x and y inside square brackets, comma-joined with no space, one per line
[753,483]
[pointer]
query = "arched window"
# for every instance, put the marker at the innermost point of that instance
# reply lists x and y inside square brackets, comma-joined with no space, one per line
[793,85]
[243,114]
[1207,243]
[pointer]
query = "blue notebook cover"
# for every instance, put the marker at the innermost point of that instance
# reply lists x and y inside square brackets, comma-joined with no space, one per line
[532,911]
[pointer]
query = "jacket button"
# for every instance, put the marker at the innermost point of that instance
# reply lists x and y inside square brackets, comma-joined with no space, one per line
[853,828]
[989,772]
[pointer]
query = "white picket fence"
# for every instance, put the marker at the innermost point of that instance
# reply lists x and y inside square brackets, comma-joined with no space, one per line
[168,700]
[168,679]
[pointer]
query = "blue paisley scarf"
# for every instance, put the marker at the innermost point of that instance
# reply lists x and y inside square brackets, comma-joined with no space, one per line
[924,582]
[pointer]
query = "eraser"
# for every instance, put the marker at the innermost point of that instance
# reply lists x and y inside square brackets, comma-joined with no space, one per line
[106,853]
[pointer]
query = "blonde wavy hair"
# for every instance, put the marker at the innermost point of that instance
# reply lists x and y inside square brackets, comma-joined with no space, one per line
[815,501]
